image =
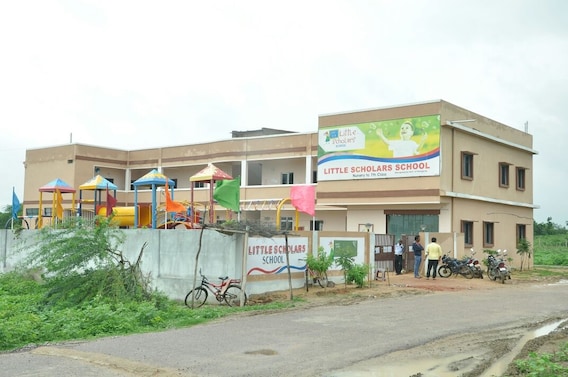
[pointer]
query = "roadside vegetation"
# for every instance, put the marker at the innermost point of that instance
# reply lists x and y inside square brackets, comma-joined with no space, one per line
[78,286]
[550,250]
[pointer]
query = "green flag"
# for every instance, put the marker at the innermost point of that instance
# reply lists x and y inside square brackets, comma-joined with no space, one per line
[228,193]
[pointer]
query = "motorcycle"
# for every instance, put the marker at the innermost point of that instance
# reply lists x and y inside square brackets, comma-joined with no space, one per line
[474,265]
[496,267]
[455,266]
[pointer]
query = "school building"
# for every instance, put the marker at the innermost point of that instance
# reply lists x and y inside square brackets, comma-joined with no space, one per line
[430,168]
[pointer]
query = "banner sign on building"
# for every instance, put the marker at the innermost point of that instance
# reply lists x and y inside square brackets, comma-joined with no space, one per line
[268,255]
[396,148]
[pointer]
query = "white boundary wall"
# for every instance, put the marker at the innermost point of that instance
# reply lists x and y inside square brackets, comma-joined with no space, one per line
[170,257]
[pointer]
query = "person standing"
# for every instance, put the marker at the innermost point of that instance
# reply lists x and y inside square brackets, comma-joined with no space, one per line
[398,251]
[417,248]
[433,254]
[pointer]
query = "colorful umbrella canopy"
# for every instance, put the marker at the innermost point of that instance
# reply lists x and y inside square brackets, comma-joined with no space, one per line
[98,183]
[56,184]
[210,173]
[153,177]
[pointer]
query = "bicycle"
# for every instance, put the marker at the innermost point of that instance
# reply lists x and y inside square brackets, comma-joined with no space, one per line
[317,277]
[228,290]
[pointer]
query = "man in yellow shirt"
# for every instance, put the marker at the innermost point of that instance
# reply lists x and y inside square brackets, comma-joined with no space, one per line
[434,254]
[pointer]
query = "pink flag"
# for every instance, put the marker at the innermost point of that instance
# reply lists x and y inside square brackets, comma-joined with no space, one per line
[303,198]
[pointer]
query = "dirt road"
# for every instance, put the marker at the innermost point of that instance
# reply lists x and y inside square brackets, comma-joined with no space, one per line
[400,327]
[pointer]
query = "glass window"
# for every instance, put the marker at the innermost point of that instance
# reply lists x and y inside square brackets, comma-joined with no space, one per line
[488,234]
[467,230]
[521,232]
[286,223]
[32,212]
[287,178]
[503,174]
[316,225]
[411,224]
[521,173]
[467,166]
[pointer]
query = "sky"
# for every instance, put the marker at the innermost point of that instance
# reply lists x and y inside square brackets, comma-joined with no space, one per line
[145,74]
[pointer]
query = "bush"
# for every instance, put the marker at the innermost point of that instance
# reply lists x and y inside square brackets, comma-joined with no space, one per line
[319,263]
[357,274]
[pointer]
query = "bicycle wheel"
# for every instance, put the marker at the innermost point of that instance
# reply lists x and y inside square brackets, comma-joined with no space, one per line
[233,295]
[322,280]
[198,300]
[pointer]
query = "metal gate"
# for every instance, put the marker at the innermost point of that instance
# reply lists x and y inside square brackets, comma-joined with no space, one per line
[384,252]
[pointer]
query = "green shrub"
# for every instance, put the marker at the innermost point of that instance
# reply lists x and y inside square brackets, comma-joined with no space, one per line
[319,263]
[357,274]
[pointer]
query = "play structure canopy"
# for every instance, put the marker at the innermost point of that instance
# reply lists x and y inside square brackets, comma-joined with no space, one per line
[154,179]
[57,184]
[210,173]
[98,183]
[56,187]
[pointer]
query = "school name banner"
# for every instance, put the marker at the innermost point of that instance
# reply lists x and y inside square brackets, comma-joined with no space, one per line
[267,256]
[408,147]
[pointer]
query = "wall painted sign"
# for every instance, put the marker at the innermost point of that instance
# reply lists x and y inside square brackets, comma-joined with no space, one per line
[344,246]
[268,255]
[395,148]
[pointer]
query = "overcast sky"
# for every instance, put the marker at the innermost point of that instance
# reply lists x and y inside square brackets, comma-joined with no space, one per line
[142,74]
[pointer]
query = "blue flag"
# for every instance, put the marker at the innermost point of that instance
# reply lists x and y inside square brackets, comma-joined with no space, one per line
[16,205]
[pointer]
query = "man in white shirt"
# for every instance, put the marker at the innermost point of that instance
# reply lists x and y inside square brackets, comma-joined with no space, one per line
[398,251]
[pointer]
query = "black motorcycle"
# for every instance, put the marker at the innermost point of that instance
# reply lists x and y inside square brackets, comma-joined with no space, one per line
[451,266]
[496,268]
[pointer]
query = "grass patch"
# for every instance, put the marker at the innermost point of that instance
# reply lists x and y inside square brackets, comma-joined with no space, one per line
[25,319]
[541,272]
[545,364]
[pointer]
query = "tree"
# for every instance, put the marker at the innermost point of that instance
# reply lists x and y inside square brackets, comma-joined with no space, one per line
[524,250]
[81,260]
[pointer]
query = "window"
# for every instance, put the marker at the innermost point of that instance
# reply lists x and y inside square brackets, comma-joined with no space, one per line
[467,165]
[467,230]
[132,184]
[286,223]
[315,176]
[199,184]
[30,212]
[316,225]
[503,174]
[47,212]
[521,174]
[488,238]
[521,232]
[175,182]
[111,180]
[287,178]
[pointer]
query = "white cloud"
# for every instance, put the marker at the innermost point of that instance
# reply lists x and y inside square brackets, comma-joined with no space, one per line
[197,70]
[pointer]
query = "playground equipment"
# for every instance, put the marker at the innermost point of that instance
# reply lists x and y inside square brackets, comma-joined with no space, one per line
[209,174]
[98,185]
[140,214]
[57,187]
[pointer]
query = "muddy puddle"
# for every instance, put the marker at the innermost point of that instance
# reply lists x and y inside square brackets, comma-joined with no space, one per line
[406,364]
